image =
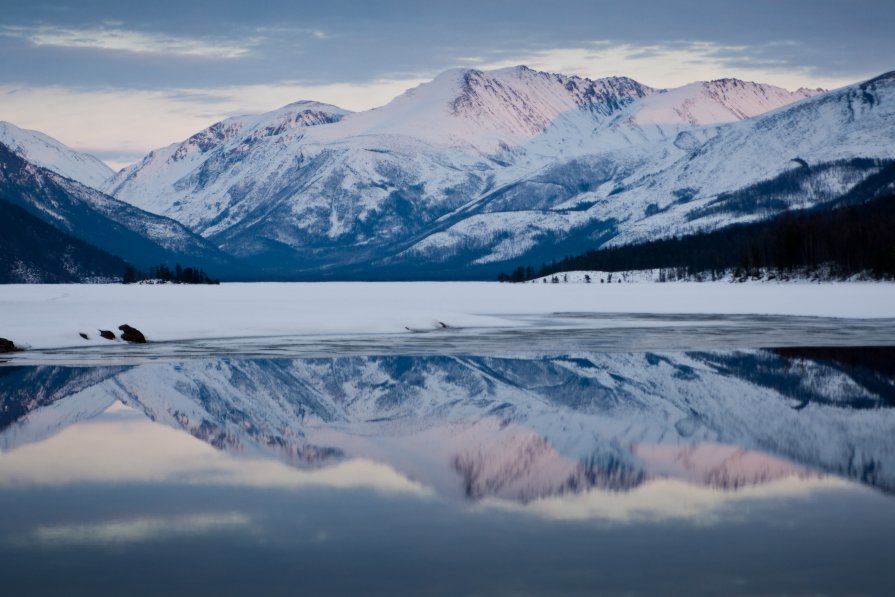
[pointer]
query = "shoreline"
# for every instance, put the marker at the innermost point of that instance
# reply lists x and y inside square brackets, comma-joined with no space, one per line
[52,316]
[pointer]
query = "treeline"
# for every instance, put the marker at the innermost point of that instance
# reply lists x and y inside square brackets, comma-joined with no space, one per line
[163,273]
[856,239]
[872,367]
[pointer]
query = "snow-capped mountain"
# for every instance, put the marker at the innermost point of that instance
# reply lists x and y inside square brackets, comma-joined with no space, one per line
[140,238]
[181,166]
[474,170]
[452,166]
[682,180]
[827,144]
[46,152]
[510,427]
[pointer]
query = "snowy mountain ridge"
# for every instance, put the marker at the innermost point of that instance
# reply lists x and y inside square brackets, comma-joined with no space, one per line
[44,151]
[714,102]
[473,112]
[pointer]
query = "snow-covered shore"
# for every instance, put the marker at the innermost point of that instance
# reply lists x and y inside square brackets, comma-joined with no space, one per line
[51,316]
[672,275]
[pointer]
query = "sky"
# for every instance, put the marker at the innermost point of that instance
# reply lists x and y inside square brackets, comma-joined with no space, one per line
[118,78]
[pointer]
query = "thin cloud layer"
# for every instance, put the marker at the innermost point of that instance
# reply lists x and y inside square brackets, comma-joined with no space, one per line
[667,64]
[125,40]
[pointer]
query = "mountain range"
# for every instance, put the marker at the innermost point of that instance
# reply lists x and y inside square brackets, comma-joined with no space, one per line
[466,175]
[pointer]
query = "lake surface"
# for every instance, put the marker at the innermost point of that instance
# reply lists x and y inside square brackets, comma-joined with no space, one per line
[584,454]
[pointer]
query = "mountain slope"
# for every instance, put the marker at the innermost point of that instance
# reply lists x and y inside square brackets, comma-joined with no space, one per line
[840,138]
[849,237]
[163,181]
[32,251]
[844,125]
[138,237]
[46,152]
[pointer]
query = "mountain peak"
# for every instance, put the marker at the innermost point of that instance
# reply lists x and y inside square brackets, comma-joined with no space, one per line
[734,83]
[527,101]
[519,68]
[712,102]
[254,127]
[730,82]
[315,105]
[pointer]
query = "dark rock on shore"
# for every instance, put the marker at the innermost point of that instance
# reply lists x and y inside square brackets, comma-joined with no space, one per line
[83,335]
[129,334]
[107,334]
[7,345]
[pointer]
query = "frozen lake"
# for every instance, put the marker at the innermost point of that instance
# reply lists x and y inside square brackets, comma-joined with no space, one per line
[569,332]
[672,439]
[409,318]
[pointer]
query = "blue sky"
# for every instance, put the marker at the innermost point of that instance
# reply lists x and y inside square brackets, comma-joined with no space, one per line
[119,78]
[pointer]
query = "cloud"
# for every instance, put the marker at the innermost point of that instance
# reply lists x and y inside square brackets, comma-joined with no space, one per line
[668,499]
[671,64]
[281,30]
[116,39]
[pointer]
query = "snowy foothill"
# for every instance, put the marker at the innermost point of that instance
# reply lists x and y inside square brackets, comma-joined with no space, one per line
[52,316]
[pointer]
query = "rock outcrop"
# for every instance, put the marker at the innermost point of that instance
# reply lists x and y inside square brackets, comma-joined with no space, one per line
[129,334]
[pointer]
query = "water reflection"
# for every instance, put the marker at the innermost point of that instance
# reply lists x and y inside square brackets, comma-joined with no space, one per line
[137,530]
[725,472]
[480,429]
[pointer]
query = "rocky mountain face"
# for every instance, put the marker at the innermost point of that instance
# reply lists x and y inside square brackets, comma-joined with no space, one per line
[474,169]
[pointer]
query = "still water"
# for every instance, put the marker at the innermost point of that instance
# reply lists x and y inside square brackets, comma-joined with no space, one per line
[514,471]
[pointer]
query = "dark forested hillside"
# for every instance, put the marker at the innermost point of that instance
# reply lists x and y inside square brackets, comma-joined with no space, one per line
[33,251]
[855,238]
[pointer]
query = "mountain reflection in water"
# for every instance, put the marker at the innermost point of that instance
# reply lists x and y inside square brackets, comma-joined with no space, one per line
[736,472]
[488,429]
